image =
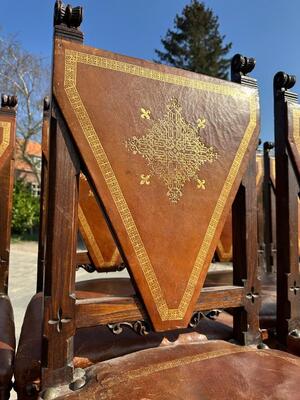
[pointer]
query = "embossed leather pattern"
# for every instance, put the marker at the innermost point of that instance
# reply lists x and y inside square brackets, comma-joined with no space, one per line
[165,150]
[189,372]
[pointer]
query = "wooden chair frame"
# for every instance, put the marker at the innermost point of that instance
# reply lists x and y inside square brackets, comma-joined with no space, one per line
[287,197]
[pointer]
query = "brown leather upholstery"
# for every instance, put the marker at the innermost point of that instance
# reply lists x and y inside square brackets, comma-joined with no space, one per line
[95,344]
[7,343]
[212,370]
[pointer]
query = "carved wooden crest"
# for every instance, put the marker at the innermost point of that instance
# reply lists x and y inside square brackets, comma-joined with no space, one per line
[165,150]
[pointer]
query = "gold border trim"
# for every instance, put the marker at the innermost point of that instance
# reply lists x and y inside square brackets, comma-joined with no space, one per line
[72,58]
[182,361]
[296,128]
[178,362]
[6,136]
[90,237]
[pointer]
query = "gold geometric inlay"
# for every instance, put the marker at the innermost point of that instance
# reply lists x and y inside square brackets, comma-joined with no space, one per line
[6,138]
[72,59]
[173,150]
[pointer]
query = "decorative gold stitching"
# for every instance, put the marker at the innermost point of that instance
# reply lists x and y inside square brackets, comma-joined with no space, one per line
[90,237]
[72,58]
[6,136]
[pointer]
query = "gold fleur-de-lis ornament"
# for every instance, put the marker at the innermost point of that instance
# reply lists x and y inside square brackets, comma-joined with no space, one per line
[145,180]
[201,123]
[145,114]
[201,184]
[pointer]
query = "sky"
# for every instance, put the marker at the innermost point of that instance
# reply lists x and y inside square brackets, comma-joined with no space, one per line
[268,30]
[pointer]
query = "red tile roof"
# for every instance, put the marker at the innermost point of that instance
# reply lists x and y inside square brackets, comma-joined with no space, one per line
[32,149]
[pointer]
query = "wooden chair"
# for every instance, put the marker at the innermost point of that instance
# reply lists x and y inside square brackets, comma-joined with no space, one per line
[287,150]
[156,121]
[7,327]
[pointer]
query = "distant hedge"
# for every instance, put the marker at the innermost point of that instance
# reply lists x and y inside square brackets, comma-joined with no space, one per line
[25,216]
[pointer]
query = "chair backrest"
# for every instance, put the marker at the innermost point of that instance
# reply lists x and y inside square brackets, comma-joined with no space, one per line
[166,152]
[224,246]
[7,146]
[287,159]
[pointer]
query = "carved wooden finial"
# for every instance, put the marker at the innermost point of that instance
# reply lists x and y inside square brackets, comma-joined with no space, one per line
[67,15]
[269,146]
[284,81]
[242,65]
[9,102]
[46,104]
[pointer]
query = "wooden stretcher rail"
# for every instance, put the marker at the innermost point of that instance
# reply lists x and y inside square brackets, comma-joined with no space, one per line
[93,311]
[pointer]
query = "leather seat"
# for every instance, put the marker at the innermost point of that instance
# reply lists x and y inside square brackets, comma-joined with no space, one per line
[7,345]
[95,344]
[211,370]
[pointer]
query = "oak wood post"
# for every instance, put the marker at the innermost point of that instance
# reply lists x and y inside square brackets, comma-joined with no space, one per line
[61,233]
[287,189]
[60,256]
[244,232]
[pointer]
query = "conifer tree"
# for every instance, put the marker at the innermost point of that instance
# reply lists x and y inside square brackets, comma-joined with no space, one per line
[195,43]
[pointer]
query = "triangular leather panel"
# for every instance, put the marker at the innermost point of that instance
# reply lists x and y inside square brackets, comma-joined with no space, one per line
[7,136]
[166,150]
[94,230]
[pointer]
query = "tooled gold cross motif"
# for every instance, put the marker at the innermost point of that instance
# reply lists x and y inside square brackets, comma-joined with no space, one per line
[145,114]
[173,150]
[145,180]
[201,123]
